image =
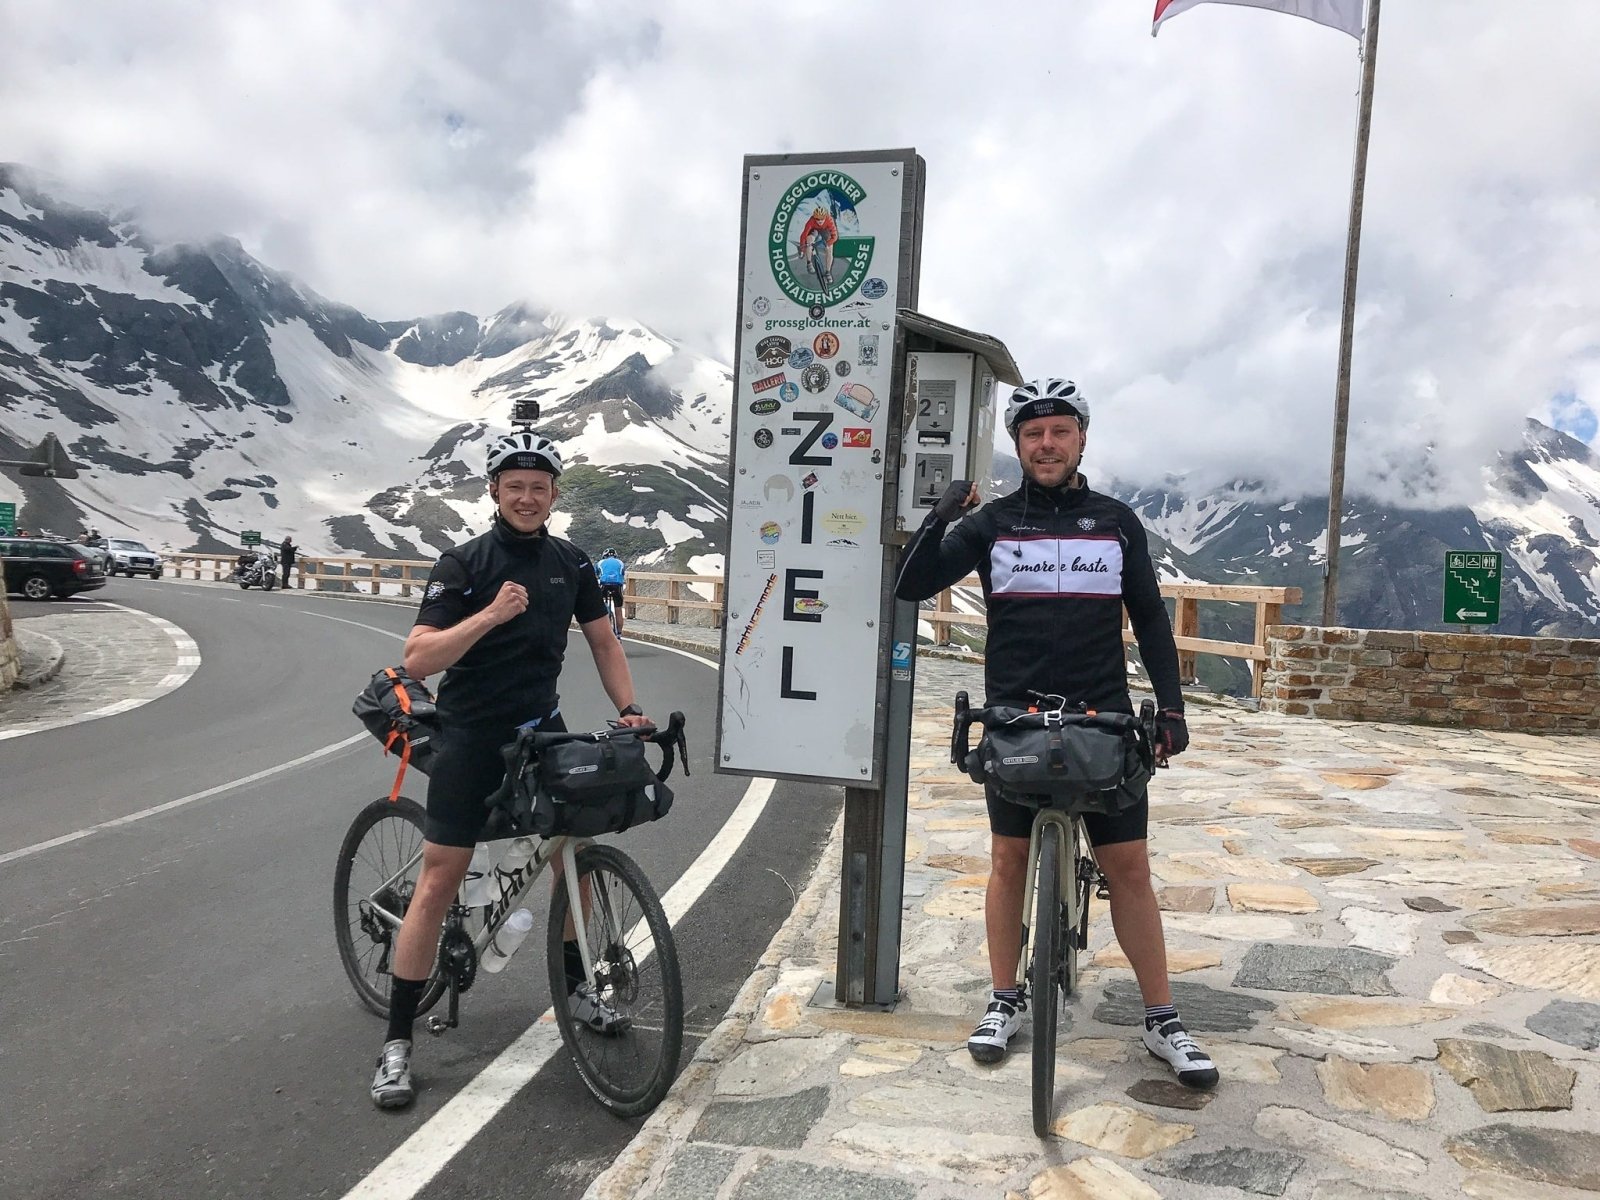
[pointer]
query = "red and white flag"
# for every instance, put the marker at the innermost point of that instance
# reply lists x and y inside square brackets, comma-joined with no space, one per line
[1346,15]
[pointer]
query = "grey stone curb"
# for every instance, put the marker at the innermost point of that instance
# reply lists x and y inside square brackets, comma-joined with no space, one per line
[639,1169]
[41,646]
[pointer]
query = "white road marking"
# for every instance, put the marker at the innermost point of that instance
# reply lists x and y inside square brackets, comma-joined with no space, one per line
[257,777]
[188,662]
[415,1162]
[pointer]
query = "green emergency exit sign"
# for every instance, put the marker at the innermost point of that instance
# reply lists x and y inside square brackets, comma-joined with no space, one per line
[1472,587]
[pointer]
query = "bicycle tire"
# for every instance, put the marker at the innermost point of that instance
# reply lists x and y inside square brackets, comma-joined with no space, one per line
[378,843]
[627,948]
[1046,977]
[616,618]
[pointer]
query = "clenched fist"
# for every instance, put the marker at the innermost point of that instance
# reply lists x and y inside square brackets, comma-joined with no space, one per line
[509,602]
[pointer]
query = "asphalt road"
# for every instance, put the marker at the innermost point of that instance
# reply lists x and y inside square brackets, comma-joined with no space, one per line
[173,1017]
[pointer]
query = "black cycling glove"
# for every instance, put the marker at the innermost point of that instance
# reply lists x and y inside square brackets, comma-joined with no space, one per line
[1172,731]
[954,501]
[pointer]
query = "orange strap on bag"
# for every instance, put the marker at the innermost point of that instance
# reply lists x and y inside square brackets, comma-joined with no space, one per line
[405,760]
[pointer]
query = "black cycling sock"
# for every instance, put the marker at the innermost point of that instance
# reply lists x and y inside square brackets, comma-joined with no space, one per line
[1011,996]
[404,996]
[572,962]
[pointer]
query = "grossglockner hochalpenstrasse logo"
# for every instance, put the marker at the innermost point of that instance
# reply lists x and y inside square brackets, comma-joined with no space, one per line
[818,254]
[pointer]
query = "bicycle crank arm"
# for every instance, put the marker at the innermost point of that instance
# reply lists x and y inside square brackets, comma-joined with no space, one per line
[437,1024]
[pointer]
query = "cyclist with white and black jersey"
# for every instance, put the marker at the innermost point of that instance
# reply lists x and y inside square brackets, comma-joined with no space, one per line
[1058,562]
[494,619]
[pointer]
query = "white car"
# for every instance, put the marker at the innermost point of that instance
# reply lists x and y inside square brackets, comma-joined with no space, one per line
[132,558]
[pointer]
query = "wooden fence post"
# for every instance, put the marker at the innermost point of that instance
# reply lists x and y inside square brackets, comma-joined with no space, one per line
[720,612]
[1266,614]
[673,595]
[942,604]
[1188,626]
[630,592]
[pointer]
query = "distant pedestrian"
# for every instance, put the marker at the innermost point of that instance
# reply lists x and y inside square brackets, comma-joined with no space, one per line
[286,557]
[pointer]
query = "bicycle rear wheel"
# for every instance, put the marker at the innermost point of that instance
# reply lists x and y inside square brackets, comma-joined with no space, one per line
[615,613]
[635,978]
[1047,939]
[379,862]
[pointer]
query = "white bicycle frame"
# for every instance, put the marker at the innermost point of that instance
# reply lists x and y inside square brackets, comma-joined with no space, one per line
[567,848]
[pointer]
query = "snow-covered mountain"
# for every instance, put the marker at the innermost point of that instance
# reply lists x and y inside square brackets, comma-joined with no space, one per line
[210,394]
[1540,507]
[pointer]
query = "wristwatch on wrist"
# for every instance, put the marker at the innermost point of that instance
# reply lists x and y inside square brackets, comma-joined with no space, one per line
[633,710]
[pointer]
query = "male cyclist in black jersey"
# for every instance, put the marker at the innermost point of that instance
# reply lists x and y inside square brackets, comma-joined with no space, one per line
[1059,562]
[494,618]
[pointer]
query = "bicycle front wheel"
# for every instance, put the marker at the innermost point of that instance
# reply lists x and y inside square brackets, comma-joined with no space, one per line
[1047,933]
[625,1031]
[378,866]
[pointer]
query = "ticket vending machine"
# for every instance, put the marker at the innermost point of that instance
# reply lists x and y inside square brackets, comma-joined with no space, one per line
[947,422]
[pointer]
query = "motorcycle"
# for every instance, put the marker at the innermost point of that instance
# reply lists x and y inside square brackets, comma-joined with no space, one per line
[259,570]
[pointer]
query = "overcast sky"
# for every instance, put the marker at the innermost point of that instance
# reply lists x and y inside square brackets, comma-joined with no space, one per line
[1162,220]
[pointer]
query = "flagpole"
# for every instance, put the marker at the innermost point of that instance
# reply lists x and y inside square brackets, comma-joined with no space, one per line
[1352,254]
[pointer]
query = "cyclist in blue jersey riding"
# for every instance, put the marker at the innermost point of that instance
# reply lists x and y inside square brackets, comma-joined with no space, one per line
[494,619]
[1058,562]
[612,574]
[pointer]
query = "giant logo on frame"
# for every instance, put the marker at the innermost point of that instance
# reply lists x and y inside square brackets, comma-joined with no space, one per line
[814,244]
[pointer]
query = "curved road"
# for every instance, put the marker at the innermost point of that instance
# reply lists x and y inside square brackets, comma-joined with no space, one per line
[175,1021]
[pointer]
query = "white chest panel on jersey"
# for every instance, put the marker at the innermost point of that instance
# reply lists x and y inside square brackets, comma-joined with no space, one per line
[1056,566]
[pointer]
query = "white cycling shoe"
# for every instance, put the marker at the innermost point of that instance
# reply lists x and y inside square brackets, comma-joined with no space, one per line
[998,1025]
[1170,1042]
[392,1086]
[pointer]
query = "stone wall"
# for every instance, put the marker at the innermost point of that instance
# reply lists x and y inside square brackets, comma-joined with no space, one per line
[10,665]
[1481,681]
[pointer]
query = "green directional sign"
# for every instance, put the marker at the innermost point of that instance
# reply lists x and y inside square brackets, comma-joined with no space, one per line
[250,537]
[1472,587]
[8,517]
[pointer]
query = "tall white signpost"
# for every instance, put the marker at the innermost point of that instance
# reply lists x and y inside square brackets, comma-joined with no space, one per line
[829,251]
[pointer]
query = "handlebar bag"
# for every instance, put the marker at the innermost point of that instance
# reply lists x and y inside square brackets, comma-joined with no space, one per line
[587,788]
[399,711]
[1039,755]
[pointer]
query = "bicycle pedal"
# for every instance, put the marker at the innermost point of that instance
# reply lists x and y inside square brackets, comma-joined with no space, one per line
[437,1025]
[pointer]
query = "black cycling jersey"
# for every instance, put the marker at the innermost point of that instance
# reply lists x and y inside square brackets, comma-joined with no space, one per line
[1057,565]
[509,675]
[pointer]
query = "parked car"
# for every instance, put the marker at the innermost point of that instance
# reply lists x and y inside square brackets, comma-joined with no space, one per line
[40,569]
[132,558]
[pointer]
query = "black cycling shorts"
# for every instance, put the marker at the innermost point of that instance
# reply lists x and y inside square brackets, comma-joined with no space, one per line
[614,590]
[1130,824]
[465,773]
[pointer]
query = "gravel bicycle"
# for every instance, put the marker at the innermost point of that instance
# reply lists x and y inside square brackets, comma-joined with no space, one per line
[1061,878]
[602,898]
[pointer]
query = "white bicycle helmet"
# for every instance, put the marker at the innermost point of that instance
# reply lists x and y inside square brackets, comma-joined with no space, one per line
[1046,398]
[523,451]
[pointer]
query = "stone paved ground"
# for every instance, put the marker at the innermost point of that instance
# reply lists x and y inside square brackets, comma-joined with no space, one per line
[1388,937]
[115,659]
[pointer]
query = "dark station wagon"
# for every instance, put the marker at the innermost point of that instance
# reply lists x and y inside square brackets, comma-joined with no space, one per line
[40,568]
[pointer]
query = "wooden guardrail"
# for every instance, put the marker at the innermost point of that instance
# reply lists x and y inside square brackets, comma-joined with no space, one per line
[1268,601]
[403,577]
